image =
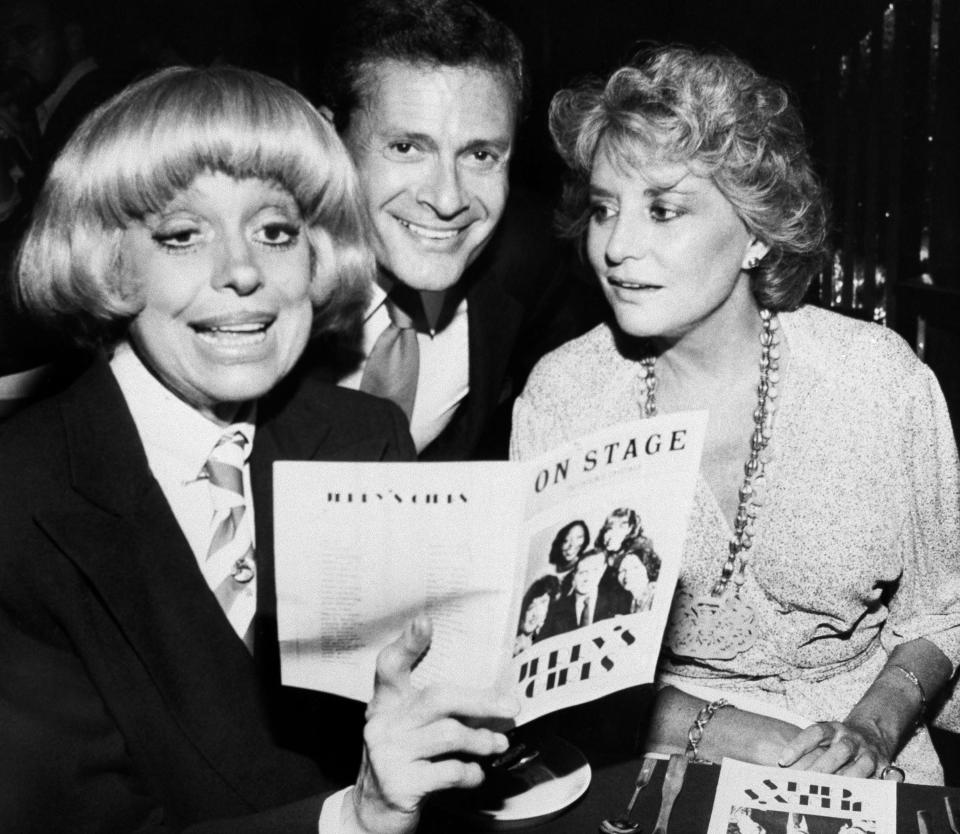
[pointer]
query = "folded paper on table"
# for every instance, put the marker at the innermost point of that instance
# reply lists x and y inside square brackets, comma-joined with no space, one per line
[752,799]
[363,547]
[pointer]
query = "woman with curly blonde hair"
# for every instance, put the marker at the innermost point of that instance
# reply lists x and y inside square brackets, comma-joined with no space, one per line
[818,597]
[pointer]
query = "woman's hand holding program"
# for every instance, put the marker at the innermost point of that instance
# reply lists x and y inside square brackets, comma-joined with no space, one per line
[419,741]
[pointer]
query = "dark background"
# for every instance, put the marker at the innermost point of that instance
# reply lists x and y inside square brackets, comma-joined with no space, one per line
[798,42]
[877,82]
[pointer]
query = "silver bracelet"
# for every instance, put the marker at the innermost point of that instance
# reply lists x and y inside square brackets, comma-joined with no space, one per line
[910,676]
[695,733]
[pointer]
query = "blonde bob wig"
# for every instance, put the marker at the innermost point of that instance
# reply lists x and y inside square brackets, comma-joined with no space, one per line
[134,153]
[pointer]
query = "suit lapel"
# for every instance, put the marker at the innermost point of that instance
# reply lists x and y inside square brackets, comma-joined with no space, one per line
[494,322]
[124,538]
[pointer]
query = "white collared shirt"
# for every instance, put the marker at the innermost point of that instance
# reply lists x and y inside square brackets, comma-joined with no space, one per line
[581,600]
[444,378]
[177,440]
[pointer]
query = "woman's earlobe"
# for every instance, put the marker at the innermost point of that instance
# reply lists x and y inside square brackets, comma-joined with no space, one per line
[755,254]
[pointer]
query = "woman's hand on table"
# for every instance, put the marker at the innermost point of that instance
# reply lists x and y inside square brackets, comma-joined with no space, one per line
[869,738]
[850,748]
[419,741]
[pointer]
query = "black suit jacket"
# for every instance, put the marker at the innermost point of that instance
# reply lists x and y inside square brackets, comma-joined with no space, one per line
[616,598]
[562,614]
[526,295]
[133,704]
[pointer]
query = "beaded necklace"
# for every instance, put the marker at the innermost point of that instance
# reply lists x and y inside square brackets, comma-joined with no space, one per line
[694,619]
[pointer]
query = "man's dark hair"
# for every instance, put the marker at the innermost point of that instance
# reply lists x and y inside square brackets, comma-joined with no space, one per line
[437,33]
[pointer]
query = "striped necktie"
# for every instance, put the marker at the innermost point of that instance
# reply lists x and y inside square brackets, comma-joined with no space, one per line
[230,569]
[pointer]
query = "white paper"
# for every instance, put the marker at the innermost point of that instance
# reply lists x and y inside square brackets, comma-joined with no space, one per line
[752,799]
[363,547]
[650,467]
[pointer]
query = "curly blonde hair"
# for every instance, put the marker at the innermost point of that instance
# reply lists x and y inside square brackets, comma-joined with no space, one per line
[724,120]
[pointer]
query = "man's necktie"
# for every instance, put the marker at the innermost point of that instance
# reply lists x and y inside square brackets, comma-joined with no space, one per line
[229,568]
[584,611]
[394,363]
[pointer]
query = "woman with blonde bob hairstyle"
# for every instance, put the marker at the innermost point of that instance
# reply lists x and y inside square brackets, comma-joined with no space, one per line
[150,142]
[822,547]
[198,229]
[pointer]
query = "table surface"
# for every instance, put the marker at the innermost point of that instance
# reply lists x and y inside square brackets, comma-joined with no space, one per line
[612,785]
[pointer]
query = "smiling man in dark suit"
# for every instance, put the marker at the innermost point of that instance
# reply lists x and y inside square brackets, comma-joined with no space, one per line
[583,603]
[428,95]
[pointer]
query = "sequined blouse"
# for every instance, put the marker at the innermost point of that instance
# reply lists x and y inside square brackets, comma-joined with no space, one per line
[857,547]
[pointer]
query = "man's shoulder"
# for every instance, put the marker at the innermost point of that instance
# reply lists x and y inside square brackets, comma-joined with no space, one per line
[528,262]
[310,389]
[307,401]
[523,248]
[562,606]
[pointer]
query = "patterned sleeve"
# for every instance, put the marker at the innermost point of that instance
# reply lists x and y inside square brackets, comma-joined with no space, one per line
[927,601]
[536,425]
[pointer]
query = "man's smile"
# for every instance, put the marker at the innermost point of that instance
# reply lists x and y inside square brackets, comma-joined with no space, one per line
[430,233]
